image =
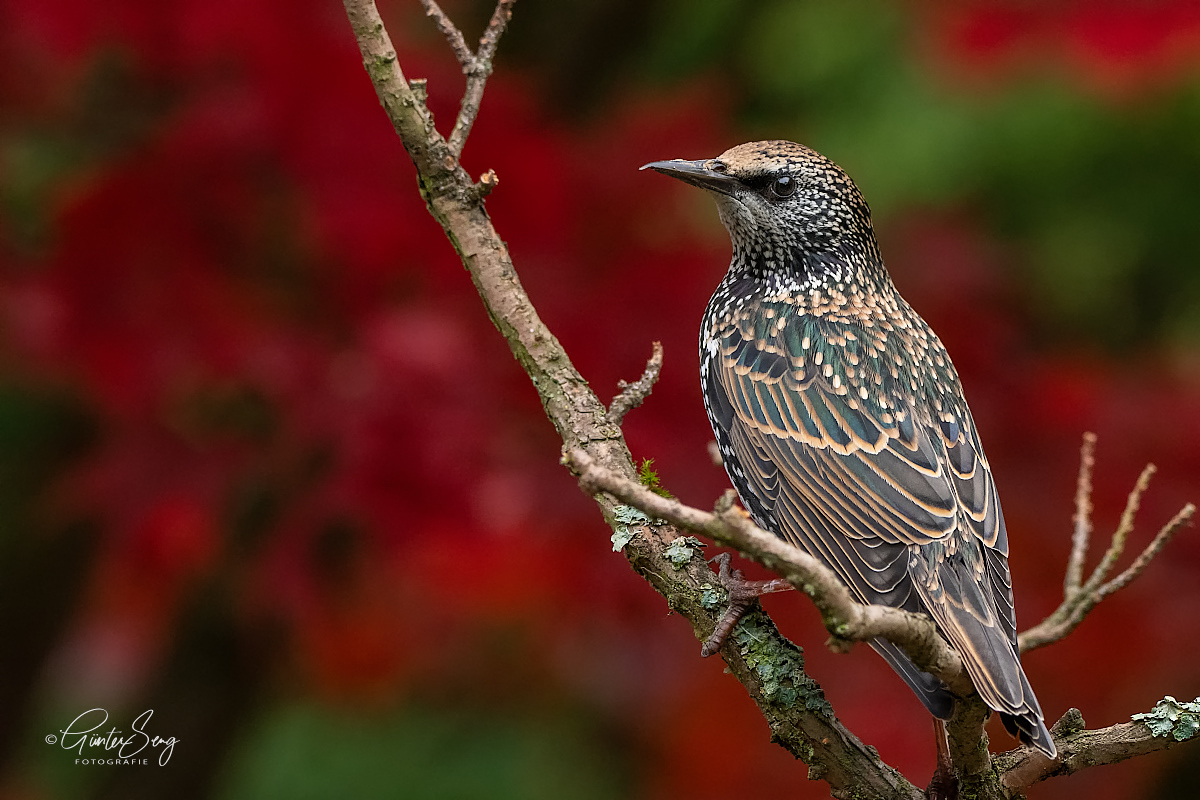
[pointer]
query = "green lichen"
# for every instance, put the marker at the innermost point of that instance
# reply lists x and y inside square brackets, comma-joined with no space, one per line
[648,477]
[1169,717]
[623,534]
[681,550]
[621,537]
[779,665]
[628,515]
[712,597]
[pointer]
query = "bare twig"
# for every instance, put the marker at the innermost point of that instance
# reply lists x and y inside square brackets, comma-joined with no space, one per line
[476,66]
[495,29]
[453,35]
[1117,546]
[478,74]
[634,394]
[1079,600]
[1083,516]
[714,453]
[1165,534]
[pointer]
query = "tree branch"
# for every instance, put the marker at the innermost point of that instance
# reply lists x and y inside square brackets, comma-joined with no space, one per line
[846,619]
[769,666]
[1079,748]
[453,35]
[1165,534]
[1079,600]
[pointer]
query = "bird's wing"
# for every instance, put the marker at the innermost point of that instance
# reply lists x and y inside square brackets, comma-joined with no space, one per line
[856,447]
[900,503]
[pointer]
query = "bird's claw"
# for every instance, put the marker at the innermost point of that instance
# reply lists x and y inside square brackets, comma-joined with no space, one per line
[742,593]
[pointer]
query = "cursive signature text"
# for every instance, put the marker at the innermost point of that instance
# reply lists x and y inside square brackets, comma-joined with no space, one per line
[86,732]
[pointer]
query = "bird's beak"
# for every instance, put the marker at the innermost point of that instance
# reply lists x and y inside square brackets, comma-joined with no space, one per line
[697,173]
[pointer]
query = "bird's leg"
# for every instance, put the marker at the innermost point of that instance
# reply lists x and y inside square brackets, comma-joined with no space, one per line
[741,594]
[944,784]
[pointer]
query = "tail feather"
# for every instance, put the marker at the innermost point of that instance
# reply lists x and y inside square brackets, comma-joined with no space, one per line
[980,634]
[929,690]
[1029,726]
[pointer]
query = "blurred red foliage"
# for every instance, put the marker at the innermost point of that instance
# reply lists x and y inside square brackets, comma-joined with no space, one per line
[247,291]
[1121,47]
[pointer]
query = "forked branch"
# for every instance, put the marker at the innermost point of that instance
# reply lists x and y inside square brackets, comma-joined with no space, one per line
[477,66]
[1080,597]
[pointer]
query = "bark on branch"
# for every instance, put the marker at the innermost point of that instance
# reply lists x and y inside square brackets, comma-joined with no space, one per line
[768,666]
[1079,748]
[634,394]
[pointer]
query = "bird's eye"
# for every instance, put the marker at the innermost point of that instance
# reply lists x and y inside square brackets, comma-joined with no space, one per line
[783,186]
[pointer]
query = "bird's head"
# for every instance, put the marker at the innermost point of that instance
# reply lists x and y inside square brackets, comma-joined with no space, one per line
[787,208]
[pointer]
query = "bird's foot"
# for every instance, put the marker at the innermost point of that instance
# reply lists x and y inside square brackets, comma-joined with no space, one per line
[944,783]
[741,594]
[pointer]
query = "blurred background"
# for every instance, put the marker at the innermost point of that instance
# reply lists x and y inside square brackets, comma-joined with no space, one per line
[267,469]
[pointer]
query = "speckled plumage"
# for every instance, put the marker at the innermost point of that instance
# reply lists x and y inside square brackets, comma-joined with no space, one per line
[842,422]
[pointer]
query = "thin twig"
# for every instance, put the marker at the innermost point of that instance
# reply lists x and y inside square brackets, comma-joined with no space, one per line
[495,29]
[1168,531]
[634,394]
[1083,516]
[477,75]
[844,617]
[1078,602]
[453,35]
[1119,537]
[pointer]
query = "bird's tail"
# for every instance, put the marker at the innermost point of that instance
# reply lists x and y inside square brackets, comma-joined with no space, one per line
[984,635]
[1031,729]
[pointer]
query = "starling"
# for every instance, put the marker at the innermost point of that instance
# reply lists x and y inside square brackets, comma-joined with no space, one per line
[842,422]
